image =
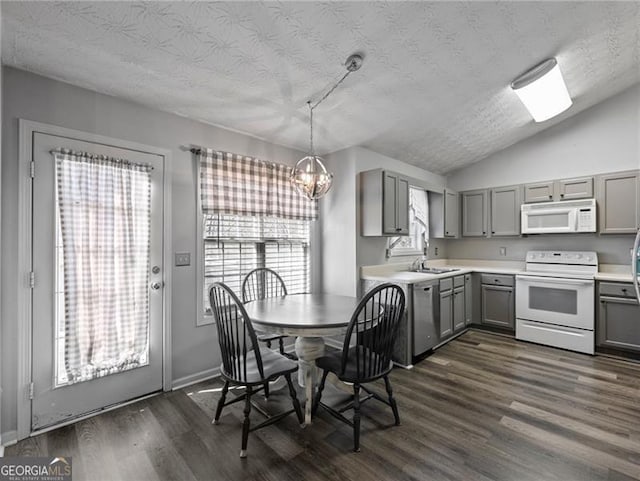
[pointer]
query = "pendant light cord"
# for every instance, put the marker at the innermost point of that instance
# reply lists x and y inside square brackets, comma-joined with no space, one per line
[353,63]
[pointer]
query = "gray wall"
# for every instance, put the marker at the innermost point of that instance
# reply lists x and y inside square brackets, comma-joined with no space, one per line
[604,138]
[344,249]
[611,249]
[40,99]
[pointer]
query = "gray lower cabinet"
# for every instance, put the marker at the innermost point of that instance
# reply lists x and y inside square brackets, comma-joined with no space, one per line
[458,309]
[446,314]
[618,324]
[498,301]
[468,300]
[619,203]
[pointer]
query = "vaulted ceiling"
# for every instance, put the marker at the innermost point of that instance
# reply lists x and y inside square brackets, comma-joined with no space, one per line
[433,90]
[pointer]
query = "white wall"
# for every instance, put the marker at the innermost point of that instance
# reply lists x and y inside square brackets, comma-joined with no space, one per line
[344,249]
[603,138]
[32,97]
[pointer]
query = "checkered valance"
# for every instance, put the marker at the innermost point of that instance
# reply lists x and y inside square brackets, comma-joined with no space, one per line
[235,184]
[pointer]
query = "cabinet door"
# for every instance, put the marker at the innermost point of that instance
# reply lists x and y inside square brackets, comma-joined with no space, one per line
[619,323]
[474,213]
[402,206]
[450,213]
[468,300]
[581,188]
[539,192]
[458,309]
[498,306]
[389,196]
[446,314]
[505,211]
[619,203]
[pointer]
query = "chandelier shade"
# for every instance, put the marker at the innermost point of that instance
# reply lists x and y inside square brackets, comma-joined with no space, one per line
[311,178]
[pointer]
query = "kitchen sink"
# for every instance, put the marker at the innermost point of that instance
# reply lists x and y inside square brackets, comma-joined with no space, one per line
[434,270]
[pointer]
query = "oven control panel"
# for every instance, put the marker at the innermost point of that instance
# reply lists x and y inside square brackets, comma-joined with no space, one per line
[563,257]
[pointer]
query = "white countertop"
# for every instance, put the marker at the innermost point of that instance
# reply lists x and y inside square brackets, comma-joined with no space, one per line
[398,272]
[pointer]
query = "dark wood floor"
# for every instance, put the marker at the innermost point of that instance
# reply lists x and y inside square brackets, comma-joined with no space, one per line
[484,407]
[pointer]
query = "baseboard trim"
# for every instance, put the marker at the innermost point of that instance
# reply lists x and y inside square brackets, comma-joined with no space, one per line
[195,378]
[9,438]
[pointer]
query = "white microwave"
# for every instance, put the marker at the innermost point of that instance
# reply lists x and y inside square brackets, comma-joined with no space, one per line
[559,217]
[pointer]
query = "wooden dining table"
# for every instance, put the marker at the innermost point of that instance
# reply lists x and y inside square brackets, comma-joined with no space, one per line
[309,317]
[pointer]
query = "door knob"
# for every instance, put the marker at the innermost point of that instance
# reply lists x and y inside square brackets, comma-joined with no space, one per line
[156,285]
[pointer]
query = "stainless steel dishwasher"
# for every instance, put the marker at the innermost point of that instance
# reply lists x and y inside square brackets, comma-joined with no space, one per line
[425,334]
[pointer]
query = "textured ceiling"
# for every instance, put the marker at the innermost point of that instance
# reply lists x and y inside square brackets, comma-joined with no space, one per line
[433,90]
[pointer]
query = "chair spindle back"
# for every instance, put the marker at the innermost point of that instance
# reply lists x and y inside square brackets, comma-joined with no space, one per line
[235,333]
[262,283]
[374,325]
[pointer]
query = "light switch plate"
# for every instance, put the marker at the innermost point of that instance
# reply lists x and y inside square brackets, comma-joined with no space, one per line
[183,259]
[503,251]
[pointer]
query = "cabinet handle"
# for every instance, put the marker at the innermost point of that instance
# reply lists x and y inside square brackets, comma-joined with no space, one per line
[550,197]
[493,232]
[561,195]
[483,232]
[624,290]
[426,289]
[398,229]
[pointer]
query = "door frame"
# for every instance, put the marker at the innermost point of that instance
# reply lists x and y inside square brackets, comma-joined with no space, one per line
[26,131]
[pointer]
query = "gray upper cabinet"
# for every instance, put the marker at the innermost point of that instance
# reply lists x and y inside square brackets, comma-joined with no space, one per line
[505,211]
[619,203]
[384,199]
[451,213]
[570,189]
[474,213]
[539,192]
[564,189]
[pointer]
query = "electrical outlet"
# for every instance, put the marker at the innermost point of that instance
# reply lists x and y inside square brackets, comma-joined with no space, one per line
[183,259]
[436,251]
[503,251]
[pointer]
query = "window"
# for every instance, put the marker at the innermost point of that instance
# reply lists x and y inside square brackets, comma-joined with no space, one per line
[233,245]
[414,243]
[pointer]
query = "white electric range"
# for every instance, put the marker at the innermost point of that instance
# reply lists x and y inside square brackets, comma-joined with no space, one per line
[555,300]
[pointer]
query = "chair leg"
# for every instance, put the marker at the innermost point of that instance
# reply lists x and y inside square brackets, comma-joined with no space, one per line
[268,343]
[266,390]
[356,418]
[281,345]
[246,423]
[294,399]
[316,402]
[392,401]
[221,401]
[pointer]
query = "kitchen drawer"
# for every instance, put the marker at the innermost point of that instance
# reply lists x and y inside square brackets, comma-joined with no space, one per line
[446,284]
[497,280]
[617,289]
[458,281]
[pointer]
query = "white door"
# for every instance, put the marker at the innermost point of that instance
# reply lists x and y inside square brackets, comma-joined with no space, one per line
[97,305]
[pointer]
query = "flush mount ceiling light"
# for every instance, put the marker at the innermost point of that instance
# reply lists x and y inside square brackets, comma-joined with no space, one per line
[542,90]
[309,176]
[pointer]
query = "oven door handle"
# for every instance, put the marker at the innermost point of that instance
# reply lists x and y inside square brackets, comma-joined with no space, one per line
[556,280]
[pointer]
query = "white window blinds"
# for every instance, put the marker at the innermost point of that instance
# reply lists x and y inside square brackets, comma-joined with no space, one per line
[234,245]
